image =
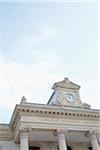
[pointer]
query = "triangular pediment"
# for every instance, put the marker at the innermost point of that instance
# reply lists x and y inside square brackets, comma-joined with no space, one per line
[66,84]
[66,93]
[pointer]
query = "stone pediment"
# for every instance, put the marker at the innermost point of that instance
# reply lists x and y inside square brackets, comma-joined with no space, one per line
[66,84]
[66,93]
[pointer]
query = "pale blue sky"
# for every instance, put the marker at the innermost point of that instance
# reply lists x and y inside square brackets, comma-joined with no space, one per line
[41,43]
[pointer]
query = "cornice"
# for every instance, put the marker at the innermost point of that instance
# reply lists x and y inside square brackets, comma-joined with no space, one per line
[61,112]
[53,107]
[52,111]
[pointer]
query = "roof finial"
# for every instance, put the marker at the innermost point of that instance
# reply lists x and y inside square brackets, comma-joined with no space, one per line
[23,100]
[66,79]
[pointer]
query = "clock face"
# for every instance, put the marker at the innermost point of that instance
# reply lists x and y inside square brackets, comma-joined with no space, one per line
[70,97]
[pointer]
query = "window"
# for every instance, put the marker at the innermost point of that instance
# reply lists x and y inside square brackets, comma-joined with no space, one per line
[34,148]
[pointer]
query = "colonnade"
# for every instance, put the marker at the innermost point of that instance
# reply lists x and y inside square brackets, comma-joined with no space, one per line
[94,139]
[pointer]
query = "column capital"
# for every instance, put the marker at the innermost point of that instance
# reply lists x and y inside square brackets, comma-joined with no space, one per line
[94,132]
[93,135]
[24,132]
[60,131]
[24,129]
[90,133]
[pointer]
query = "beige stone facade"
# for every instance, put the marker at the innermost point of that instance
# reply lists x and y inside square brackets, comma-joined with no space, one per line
[65,123]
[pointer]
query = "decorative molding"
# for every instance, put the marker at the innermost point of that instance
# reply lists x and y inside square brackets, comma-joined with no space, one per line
[66,84]
[24,130]
[5,132]
[60,131]
[62,113]
[92,132]
[53,111]
[23,100]
[88,116]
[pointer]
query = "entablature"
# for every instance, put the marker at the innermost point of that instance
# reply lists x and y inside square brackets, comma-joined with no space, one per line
[29,109]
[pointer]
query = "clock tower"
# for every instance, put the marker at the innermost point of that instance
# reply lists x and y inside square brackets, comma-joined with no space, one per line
[66,93]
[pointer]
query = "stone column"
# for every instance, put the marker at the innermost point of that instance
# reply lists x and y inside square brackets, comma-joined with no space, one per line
[61,139]
[98,136]
[94,141]
[24,145]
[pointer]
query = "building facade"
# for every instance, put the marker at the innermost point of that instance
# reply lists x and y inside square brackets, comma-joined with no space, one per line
[65,123]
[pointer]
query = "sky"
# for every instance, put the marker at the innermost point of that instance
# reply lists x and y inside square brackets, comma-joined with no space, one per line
[40,44]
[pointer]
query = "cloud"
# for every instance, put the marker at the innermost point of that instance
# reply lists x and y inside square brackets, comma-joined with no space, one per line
[33,80]
[46,33]
[34,47]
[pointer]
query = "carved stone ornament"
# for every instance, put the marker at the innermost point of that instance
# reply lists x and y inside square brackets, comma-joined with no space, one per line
[66,84]
[85,105]
[23,100]
[90,133]
[24,129]
[60,131]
